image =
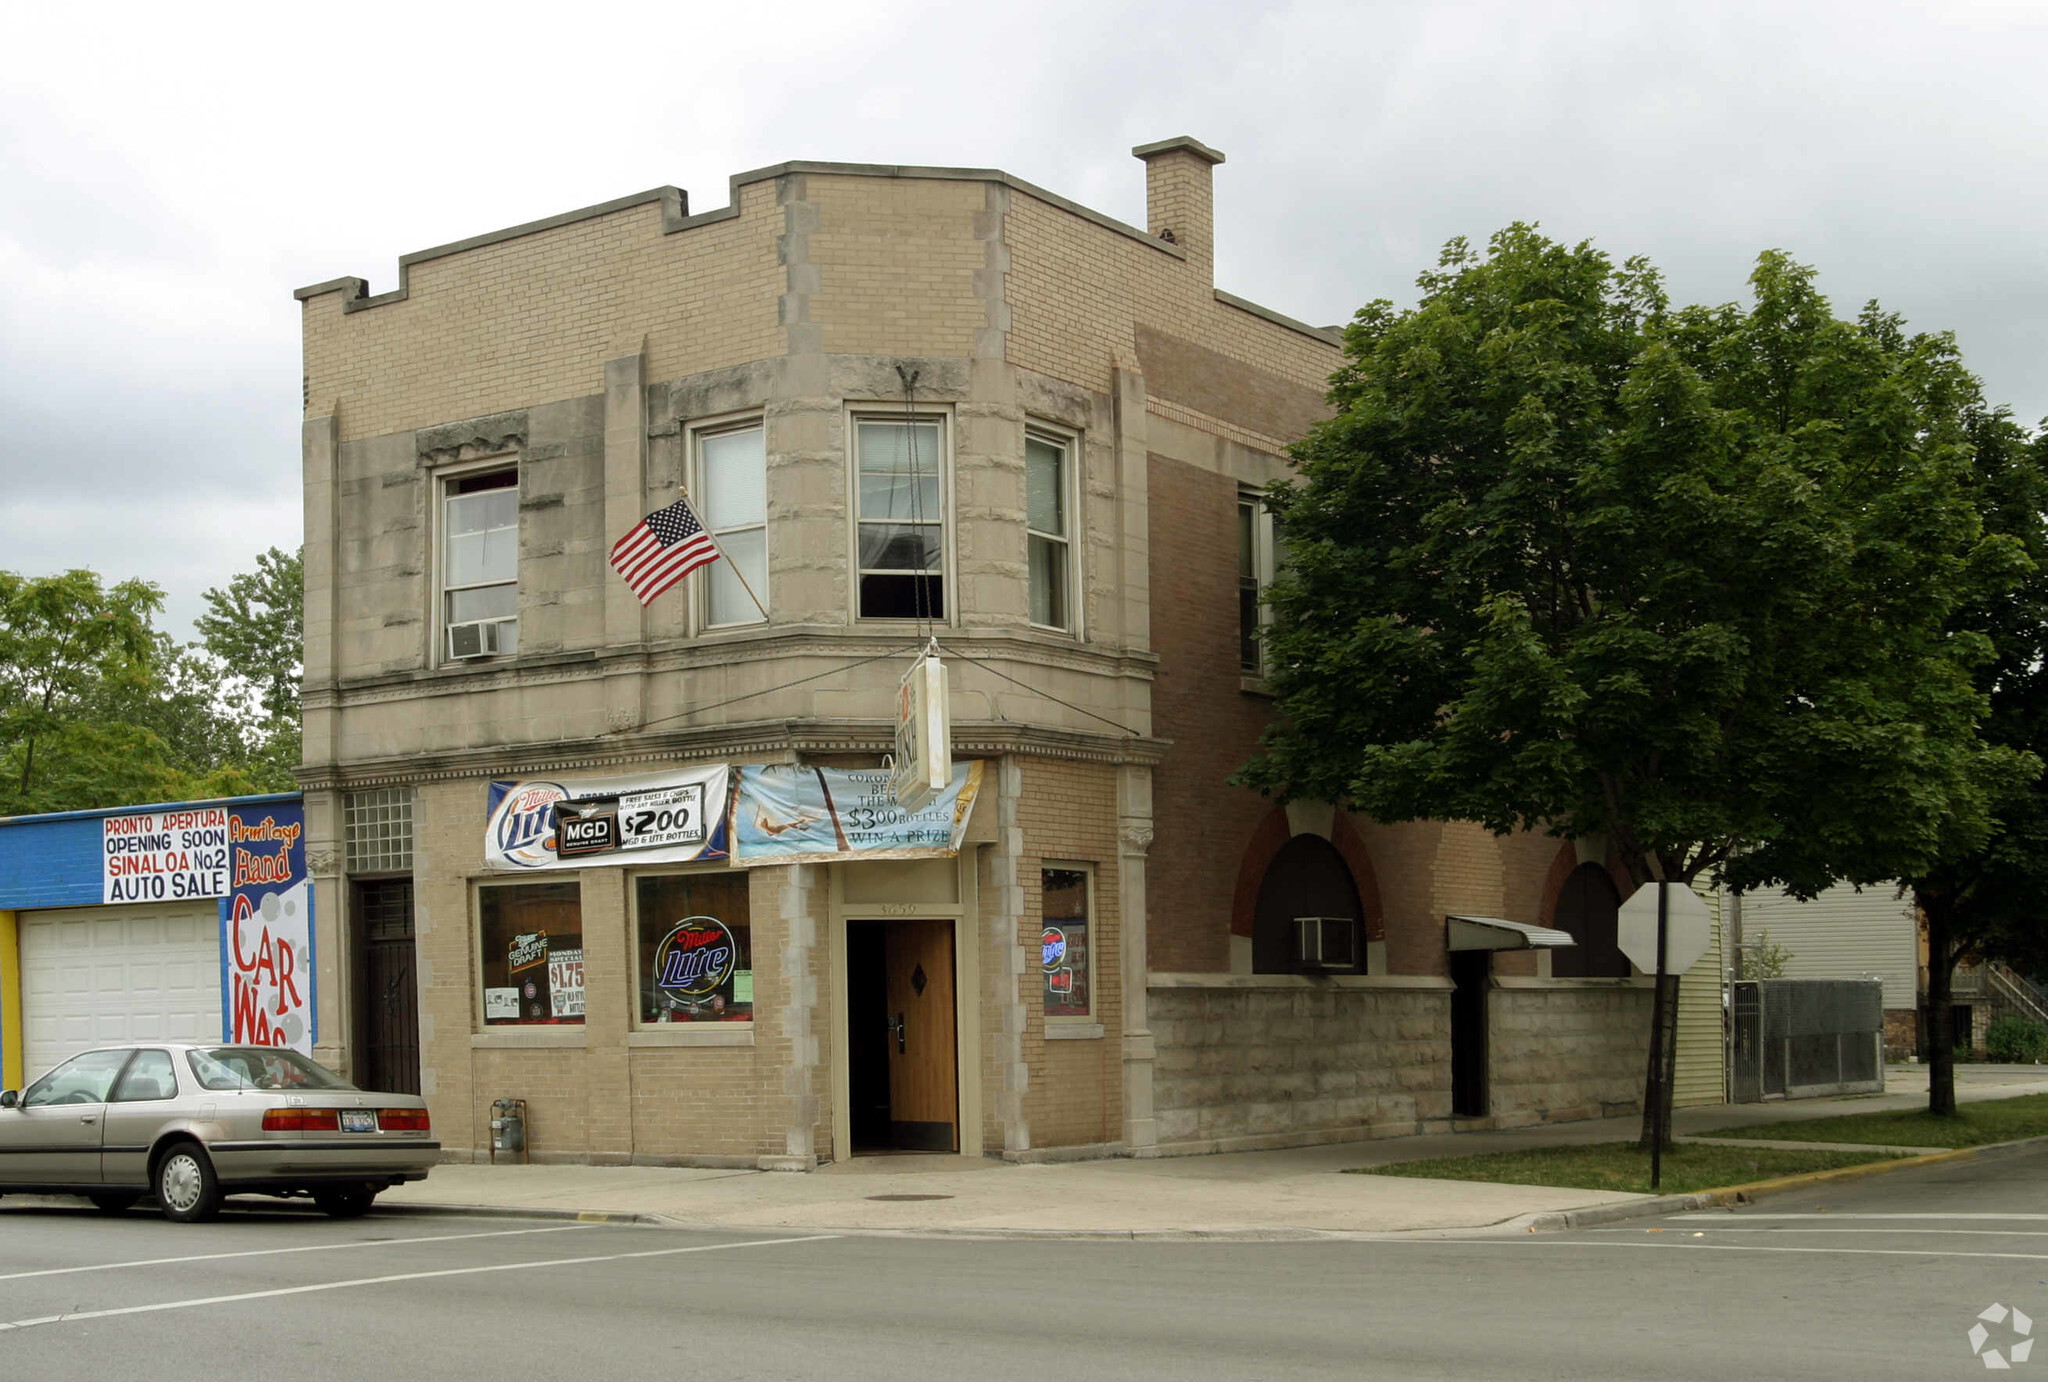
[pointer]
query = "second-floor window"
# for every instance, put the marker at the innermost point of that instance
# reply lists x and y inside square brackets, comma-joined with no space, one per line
[1045,521]
[732,499]
[480,564]
[899,470]
[1252,558]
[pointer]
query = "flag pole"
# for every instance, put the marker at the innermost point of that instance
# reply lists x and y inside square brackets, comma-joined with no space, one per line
[738,574]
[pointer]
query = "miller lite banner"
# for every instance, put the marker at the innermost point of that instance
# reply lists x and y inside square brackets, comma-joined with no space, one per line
[673,817]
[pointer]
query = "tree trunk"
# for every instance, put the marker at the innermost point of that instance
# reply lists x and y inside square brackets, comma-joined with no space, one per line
[1941,1052]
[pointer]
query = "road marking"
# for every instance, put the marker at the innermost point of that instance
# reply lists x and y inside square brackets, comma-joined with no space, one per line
[1687,1245]
[1967,1233]
[277,1252]
[77,1315]
[2016,1218]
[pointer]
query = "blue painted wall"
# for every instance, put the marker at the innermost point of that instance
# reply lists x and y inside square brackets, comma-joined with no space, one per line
[54,861]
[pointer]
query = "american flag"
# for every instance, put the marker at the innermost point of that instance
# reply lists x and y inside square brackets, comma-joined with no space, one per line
[663,547]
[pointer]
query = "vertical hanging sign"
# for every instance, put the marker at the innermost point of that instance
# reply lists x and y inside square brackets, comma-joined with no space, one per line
[923,765]
[267,929]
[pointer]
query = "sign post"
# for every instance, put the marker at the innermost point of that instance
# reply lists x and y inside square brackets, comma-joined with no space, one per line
[1663,929]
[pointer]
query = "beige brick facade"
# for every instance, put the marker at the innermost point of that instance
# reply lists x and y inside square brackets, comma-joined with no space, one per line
[586,353]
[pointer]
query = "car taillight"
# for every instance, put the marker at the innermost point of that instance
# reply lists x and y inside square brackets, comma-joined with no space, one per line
[404,1120]
[302,1120]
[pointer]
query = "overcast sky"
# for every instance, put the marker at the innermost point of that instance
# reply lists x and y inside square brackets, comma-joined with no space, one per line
[168,174]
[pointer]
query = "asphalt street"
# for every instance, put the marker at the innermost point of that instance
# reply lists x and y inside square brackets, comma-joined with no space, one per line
[1878,1278]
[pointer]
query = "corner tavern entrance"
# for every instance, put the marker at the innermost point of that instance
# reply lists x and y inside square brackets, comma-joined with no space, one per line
[903,1067]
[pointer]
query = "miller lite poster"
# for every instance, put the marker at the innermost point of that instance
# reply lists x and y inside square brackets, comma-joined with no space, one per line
[673,817]
[266,951]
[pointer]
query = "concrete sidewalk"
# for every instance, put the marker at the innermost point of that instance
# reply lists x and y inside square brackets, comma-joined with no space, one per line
[1288,1193]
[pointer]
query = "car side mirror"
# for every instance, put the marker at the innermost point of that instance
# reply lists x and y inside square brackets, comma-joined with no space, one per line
[10,1098]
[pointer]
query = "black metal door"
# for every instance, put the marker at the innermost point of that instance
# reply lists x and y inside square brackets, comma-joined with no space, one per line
[387,991]
[1472,973]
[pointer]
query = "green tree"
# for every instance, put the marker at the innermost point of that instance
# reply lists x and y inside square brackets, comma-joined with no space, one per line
[1569,559]
[63,638]
[256,628]
[1986,895]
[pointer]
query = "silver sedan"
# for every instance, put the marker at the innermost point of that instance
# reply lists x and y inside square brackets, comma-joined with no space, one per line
[192,1124]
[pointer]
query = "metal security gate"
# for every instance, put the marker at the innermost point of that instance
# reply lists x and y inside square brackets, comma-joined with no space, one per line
[387,994]
[1803,1038]
[1746,1045]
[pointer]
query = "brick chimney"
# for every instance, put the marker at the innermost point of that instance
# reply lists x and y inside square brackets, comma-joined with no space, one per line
[1180,198]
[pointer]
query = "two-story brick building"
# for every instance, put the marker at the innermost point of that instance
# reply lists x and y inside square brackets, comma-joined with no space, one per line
[909,402]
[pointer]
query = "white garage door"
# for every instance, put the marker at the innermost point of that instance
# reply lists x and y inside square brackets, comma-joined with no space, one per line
[91,976]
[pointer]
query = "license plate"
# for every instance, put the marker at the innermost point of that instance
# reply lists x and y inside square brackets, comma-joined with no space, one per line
[358,1120]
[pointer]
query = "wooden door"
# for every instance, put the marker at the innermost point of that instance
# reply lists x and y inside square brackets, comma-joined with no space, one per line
[923,1046]
[387,993]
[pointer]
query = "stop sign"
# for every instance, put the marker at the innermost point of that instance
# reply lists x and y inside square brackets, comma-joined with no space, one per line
[1688,928]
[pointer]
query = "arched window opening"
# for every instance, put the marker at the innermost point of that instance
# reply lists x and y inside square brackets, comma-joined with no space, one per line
[1589,908]
[1307,878]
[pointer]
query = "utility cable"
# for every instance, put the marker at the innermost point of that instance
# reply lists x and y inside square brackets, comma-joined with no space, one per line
[993,670]
[752,695]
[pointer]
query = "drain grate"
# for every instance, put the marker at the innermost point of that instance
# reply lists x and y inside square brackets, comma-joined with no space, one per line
[900,1198]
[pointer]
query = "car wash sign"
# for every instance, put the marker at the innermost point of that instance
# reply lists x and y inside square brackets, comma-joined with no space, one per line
[164,856]
[267,929]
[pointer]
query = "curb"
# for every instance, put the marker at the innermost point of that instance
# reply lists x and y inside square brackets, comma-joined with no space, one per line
[1551,1221]
[1728,1196]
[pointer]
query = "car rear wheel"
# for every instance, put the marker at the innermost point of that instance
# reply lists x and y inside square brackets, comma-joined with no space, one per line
[345,1201]
[113,1204]
[186,1187]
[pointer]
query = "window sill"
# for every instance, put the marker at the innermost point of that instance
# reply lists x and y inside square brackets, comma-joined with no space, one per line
[1531,981]
[557,1038]
[1067,1029]
[693,1034]
[1253,686]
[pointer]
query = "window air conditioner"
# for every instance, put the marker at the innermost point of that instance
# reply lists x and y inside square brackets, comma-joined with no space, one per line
[477,639]
[1325,942]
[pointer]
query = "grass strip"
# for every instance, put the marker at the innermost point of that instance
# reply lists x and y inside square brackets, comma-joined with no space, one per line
[1620,1166]
[1994,1120]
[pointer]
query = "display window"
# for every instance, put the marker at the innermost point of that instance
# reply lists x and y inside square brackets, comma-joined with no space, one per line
[695,947]
[1067,951]
[530,944]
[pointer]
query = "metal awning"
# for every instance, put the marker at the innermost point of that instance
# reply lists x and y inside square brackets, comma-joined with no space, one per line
[1492,933]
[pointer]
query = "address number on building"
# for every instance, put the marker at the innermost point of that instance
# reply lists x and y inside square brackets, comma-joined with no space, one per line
[673,816]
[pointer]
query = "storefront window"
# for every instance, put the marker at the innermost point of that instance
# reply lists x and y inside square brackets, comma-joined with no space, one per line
[1066,957]
[531,938]
[696,953]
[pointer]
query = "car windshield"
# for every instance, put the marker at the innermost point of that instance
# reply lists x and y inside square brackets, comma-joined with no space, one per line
[260,1067]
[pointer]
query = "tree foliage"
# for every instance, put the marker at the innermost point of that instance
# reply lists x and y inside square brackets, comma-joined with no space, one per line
[1568,558]
[100,708]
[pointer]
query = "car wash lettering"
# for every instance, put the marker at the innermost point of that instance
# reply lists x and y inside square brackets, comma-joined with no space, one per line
[267,930]
[164,856]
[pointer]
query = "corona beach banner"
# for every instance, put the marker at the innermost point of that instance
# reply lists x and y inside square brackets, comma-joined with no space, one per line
[575,823]
[785,815]
[266,950]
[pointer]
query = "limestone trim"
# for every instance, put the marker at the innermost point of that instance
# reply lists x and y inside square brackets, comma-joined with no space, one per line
[1531,981]
[1300,982]
[1179,141]
[471,439]
[755,644]
[776,740]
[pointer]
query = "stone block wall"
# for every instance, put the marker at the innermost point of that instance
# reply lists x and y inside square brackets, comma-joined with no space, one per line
[1567,1050]
[1276,1061]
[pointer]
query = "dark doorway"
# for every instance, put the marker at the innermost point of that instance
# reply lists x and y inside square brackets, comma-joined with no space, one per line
[1307,878]
[1589,909]
[1472,975]
[902,1040]
[387,1021]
